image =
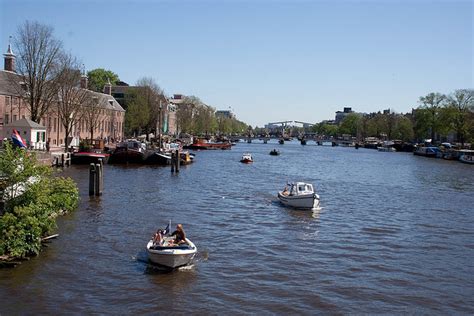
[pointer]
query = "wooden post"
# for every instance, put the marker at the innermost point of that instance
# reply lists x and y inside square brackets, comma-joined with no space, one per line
[101,163]
[178,160]
[98,179]
[68,159]
[92,179]
[172,161]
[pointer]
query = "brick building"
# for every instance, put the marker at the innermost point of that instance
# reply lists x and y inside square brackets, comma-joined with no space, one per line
[13,108]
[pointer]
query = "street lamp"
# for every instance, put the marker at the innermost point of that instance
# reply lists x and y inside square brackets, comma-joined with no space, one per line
[159,126]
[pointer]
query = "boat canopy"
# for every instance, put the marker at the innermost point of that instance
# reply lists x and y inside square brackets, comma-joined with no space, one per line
[301,188]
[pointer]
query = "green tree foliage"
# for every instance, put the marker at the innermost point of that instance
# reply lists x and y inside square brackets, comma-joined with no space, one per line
[33,199]
[138,114]
[350,124]
[431,104]
[325,129]
[97,78]
[460,107]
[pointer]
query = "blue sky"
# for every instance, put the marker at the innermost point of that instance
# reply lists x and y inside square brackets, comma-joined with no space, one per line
[269,60]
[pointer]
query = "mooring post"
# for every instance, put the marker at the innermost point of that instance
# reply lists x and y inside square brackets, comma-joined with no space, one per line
[172,161]
[92,179]
[178,160]
[101,162]
[98,179]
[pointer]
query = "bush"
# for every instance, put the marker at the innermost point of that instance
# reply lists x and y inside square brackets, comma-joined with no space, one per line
[31,214]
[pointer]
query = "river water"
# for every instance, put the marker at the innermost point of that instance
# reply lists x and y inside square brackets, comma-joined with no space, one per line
[395,235]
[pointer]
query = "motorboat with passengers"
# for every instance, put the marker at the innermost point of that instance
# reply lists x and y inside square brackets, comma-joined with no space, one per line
[164,251]
[246,158]
[299,195]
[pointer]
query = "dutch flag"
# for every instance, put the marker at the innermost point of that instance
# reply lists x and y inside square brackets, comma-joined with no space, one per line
[17,140]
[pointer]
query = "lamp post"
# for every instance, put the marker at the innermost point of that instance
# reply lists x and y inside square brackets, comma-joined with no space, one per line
[159,126]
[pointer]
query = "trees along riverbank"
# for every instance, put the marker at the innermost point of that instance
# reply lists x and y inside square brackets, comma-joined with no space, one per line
[32,199]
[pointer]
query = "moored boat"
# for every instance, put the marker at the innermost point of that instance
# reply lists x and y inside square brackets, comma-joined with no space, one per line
[85,157]
[203,144]
[130,151]
[427,151]
[299,195]
[158,158]
[466,156]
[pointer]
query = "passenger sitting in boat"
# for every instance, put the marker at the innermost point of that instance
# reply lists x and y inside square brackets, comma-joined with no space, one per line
[180,235]
[158,237]
[285,191]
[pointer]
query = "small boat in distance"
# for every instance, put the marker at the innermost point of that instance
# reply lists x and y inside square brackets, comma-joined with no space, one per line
[275,152]
[246,158]
[299,195]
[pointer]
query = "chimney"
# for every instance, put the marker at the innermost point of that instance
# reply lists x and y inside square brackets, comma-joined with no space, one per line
[108,87]
[9,59]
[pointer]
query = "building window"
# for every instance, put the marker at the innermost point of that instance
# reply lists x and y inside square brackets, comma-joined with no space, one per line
[7,117]
[14,118]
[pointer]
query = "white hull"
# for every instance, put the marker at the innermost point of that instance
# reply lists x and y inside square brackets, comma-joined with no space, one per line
[310,201]
[171,257]
[467,158]
[386,149]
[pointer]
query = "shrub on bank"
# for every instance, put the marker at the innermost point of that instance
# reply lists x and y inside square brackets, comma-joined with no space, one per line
[33,198]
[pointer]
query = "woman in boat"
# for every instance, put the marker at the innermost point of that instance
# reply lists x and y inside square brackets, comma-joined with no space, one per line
[180,235]
[158,237]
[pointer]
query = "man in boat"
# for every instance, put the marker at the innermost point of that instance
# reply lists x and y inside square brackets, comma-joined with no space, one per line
[180,235]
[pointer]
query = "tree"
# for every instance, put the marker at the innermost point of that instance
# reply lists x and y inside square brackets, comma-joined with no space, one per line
[97,78]
[138,115]
[33,199]
[403,129]
[91,112]
[71,96]
[38,52]
[155,101]
[350,124]
[461,102]
[432,103]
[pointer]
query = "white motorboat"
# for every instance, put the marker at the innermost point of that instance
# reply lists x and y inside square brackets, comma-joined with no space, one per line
[171,256]
[246,158]
[299,195]
[387,147]
[466,156]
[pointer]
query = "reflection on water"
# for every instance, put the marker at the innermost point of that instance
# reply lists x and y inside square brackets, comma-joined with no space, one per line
[393,235]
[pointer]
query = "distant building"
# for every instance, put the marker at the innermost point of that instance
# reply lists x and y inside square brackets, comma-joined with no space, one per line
[13,108]
[225,114]
[340,115]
